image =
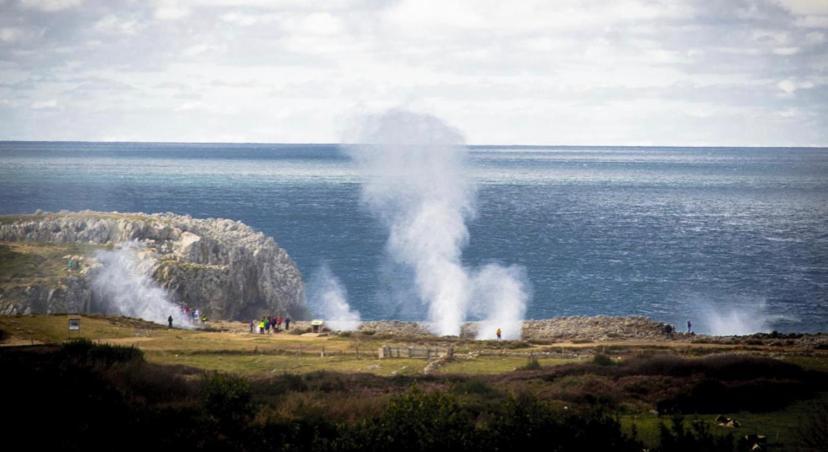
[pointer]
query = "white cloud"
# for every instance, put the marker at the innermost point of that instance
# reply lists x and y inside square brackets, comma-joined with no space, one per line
[10,34]
[171,9]
[786,50]
[51,5]
[806,7]
[569,71]
[45,104]
[115,25]
[791,86]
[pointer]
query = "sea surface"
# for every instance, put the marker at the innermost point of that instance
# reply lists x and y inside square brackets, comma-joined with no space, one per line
[731,238]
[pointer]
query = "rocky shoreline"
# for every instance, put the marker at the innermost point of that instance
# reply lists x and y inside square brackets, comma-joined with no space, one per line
[222,267]
[591,328]
[567,329]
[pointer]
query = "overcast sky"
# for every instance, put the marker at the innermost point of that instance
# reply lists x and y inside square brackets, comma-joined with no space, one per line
[625,72]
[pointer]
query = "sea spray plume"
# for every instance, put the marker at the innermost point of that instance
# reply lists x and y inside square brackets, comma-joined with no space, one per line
[329,300]
[501,294]
[123,285]
[416,181]
[737,319]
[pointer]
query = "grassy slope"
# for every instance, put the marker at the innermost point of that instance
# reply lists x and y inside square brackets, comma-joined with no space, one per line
[262,356]
[26,263]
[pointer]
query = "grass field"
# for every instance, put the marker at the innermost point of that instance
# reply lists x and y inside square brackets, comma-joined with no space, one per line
[338,372]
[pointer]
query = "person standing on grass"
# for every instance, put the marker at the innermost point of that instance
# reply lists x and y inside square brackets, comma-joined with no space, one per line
[169,321]
[287,323]
[689,327]
[498,333]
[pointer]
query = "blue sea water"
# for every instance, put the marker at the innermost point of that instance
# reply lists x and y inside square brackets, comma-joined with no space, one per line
[709,234]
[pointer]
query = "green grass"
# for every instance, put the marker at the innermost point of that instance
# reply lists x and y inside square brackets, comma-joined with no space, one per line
[781,427]
[25,263]
[496,364]
[819,363]
[269,364]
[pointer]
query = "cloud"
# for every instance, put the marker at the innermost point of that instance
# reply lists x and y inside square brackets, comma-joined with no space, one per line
[112,24]
[10,34]
[51,5]
[171,9]
[571,72]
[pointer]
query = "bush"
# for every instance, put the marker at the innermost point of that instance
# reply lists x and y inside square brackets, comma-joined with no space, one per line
[813,431]
[472,386]
[531,364]
[415,421]
[602,360]
[698,438]
[713,396]
[85,352]
[227,401]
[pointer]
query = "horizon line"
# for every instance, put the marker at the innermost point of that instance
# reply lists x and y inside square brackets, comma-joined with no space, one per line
[471,145]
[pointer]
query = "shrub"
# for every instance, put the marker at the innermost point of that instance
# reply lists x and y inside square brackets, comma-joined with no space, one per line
[85,352]
[227,400]
[713,396]
[698,438]
[472,386]
[602,360]
[531,364]
[414,421]
[813,430]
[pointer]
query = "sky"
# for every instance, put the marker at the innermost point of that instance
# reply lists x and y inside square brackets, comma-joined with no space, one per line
[554,72]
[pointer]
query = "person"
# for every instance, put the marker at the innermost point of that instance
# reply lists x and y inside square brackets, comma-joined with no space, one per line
[261,327]
[169,321]
[689,327]
[287,323]
[252,326]
[498,333]
[266,322]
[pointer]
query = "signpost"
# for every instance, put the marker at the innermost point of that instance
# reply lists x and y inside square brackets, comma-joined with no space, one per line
[74,325]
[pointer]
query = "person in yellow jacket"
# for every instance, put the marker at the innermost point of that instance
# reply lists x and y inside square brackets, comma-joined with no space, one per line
[261,327]
[498,334]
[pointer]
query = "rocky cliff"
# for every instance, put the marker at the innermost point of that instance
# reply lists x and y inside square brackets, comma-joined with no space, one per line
[223,267]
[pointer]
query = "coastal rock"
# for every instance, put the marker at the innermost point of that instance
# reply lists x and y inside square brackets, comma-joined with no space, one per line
[222,267]
[577,328]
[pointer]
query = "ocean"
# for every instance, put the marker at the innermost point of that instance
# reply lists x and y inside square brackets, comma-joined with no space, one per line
[734,239]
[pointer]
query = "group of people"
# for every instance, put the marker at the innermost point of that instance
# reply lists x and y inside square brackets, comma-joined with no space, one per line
[270,324]
[194,314]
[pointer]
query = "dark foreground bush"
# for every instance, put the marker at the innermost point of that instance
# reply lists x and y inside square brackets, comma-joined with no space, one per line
[713,396]
[418,421]
[697,438]
[86,352]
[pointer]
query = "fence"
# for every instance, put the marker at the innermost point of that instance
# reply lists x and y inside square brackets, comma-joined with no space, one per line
[386,352]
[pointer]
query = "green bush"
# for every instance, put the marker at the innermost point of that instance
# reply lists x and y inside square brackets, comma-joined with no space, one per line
[414,421]
[602,360]
[531,364]
[227,400]
[85,352]
[472,386]
[698,437]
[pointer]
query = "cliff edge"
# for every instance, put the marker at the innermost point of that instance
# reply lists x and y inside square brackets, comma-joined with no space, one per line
[222,267]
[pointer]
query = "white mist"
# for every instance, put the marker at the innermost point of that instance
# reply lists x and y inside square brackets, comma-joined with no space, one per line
[124,286]
[329,300]
[417,183]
